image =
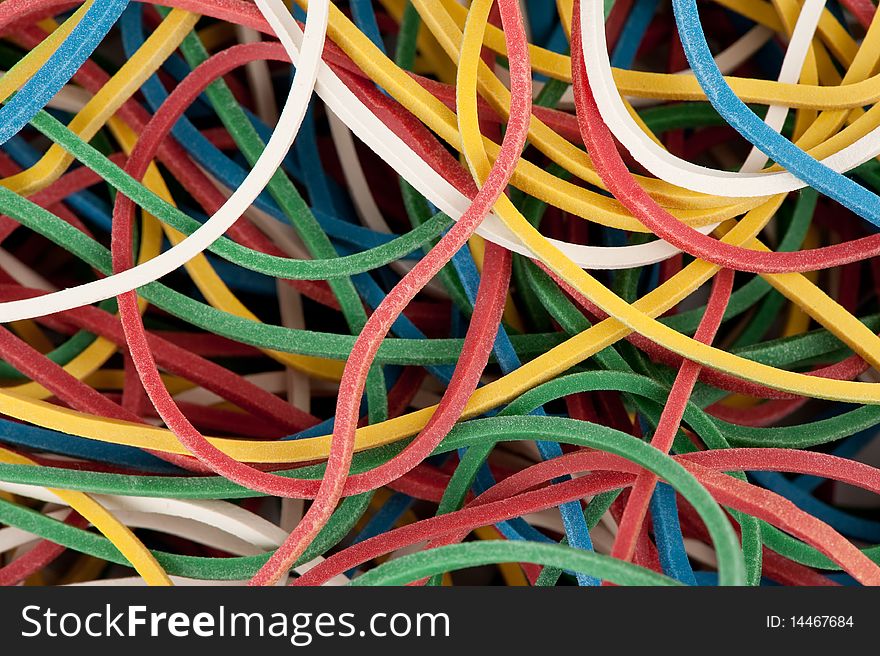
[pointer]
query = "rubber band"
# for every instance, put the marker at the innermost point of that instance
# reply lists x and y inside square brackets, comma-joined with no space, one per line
[60,67]
[445,304]
[240,199]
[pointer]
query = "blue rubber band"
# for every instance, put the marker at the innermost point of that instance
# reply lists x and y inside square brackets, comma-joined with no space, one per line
[848,193]
[640,17]
[667,534]
[67,59]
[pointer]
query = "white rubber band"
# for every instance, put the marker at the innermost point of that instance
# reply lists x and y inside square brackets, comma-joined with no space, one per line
[270,159]
[215,523]
[681,172]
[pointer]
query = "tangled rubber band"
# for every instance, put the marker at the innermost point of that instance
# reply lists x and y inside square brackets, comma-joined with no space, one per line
[438,293]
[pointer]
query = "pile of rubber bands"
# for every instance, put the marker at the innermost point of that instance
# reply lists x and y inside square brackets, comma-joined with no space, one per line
[492,292]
